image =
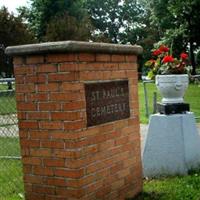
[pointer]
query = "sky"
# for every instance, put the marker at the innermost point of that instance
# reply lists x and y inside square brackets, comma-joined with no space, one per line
[13,4]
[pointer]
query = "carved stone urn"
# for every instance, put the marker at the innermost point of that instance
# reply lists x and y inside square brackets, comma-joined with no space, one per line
[172,87]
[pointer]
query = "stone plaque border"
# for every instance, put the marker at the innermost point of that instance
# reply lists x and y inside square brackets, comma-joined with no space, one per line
[107,101]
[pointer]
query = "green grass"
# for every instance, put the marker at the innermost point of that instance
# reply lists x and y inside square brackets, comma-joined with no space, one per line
[172,188]
[7,104]
[11,185]
[192,97]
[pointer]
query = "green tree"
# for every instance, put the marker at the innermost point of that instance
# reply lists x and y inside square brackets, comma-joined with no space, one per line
[12,32]
[178,24]
[117,21]
[45,16]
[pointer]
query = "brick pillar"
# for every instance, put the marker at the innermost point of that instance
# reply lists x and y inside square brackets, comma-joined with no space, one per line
[64,158]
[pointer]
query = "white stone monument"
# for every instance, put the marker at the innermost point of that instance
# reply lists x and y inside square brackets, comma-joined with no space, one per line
[172,145]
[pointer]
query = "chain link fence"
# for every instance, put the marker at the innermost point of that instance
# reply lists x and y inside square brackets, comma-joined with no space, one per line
[11,184]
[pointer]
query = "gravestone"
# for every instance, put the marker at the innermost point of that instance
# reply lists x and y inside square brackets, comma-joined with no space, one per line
[78,117]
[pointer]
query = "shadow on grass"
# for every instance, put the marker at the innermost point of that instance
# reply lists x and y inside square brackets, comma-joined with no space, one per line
[148,196]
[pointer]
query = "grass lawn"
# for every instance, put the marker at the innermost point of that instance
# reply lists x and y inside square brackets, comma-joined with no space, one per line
[173,188]
[7,103]
[192,97]
[11,185]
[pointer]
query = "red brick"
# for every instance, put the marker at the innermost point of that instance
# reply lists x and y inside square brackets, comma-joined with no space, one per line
[38,134]
[21,115]
[75,144]
[28,124]
[23,133]
[92,66]
[67,67]
[27,169]
[117,184]
[77,105]
[69,116]
[26,106]
[40,189]
[111,66]
[69,173]
[95,167]
[92,131]
[116,168]
[66,86]
[33,196]
[36,79]
[56,58]
[74,125]
[106,128]
[102,192]
[107,75]
[20,97]
[119,74]
[56,125]
[125,172]
[20,79]
[54,162]
[103,58]
[43,171]
[52,87]
[52,144]
[86,57]
[24,70]
[47,68]
[107,145]
[125,66]
[97,139]
[20,88]
[121,140]
[89,76]
[18,60]
[67,96]
[70,193]
[73,164]
[90,150]
[36,59]
[72,154]
[118,58]
[131,58]
[67,76]
[49,106]
[54,181]
[29,143]
[94,186]
[40,152]
[33,179]
[31,161]
[71,135]
[37,97]
[25,151]
[38,115]
[132,74]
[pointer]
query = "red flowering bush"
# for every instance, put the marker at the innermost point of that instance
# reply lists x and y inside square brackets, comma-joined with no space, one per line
[163,62]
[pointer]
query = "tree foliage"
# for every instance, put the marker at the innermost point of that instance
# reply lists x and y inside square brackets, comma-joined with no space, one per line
[118,21]
[12,32]
[178,24]
[51,20]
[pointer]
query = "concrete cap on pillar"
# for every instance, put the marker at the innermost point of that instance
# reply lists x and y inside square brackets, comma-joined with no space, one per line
[73,46]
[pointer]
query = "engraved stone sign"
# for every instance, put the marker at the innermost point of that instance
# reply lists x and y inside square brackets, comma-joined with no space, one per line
[107,102]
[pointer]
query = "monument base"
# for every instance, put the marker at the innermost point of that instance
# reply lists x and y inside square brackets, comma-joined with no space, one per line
[172,145]
[174,108]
